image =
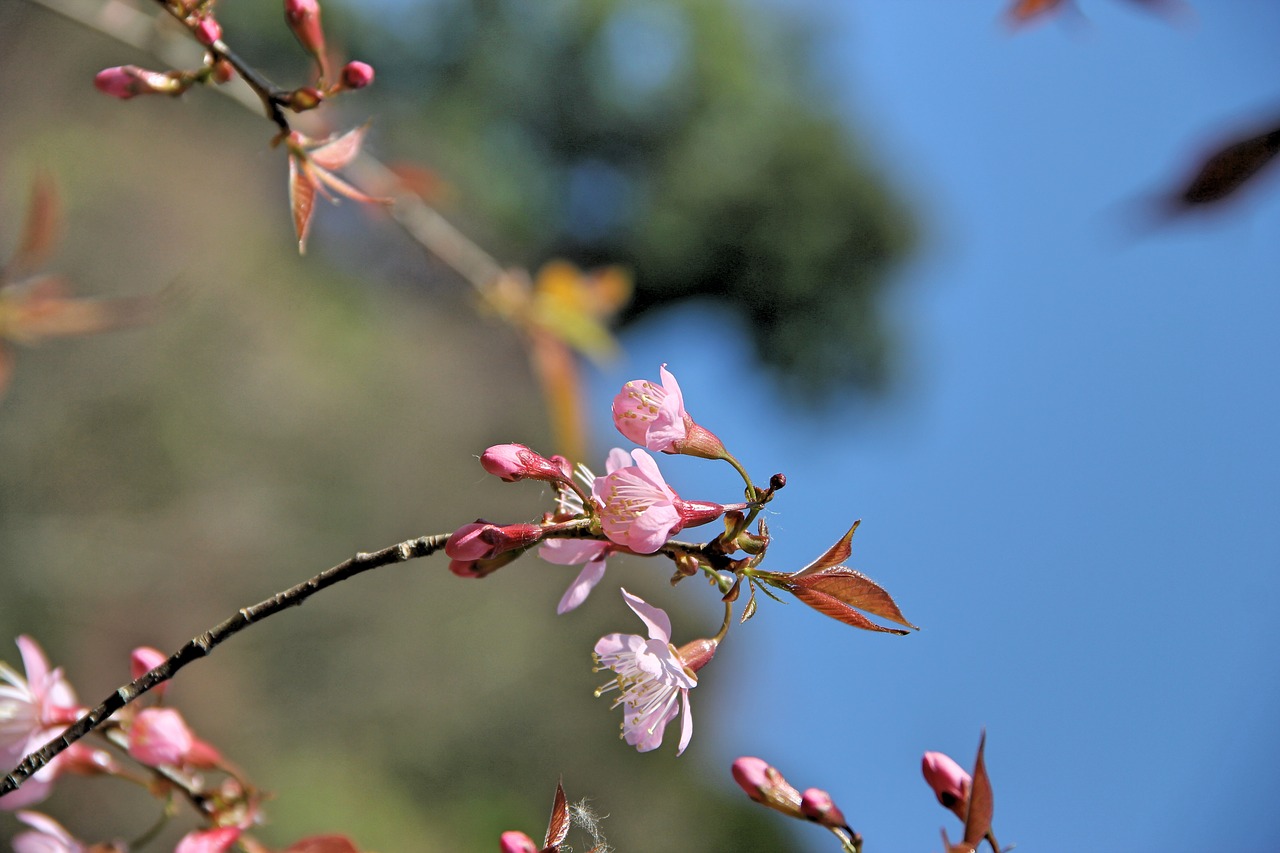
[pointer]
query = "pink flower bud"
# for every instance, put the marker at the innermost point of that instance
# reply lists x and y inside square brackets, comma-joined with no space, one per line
[764,784]
[481,540]
[159,736]
[517,842]
[223,71]
[303,18]
[357,75]
[514,462]
[142,660]
[948,780]
[126,81]
[817,805]
[207,31]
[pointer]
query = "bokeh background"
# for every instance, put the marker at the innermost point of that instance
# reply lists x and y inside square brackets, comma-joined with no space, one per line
[910,256]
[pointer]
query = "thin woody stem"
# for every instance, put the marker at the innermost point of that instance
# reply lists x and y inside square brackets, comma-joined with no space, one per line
[201,645]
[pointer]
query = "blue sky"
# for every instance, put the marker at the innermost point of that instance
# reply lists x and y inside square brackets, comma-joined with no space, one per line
[1073,487]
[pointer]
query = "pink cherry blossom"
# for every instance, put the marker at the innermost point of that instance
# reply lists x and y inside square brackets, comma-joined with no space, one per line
[160,736]
[32,711]
[654,416]
[949,781]
[571,552]
[639,510]
[514,841]
[45,836]
[651,676]
[651,415]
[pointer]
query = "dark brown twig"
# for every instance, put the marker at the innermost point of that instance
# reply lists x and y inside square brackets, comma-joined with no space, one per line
[201,645]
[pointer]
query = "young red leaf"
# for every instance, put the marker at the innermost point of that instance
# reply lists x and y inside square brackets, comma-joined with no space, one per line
[302,199]
[338,152]
[1024,10]
[39,230]
[981,801]
[558,827]
[835,555]
[1227,169]
[853,589]
[837,609]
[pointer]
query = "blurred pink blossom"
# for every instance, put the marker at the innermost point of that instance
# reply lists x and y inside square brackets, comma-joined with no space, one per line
[33,710]
[514,841]
[142,660]
[160,736]
[45,836]
[651,676]
[217,840]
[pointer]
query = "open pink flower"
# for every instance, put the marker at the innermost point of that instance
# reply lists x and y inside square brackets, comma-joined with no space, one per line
[572,552]
[638,509]
[652,678]
[654,416]
[949,781]
[45,836]
[32,711]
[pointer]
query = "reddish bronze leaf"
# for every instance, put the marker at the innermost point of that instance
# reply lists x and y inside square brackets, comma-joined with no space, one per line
[835,555]
[981,801]
[337,153]
[837,609]
[1024,10]
[39,230]
[853,589]
[302,199]
[1227,169]
[558,827]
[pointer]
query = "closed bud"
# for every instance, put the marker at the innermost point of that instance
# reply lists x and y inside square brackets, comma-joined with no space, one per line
[513,462]
[306,98]
[144,659]
[764,784]
[357,75]
[817,806]
[517,842]
[223,71]
[127,81]
[949,781]
[303,18]
[207,31]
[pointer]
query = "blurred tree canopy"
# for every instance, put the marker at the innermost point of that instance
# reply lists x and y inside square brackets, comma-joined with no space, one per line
[679,137]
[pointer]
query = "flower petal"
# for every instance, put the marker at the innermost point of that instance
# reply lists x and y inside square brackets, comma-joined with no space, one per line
[657,621]
[582,585]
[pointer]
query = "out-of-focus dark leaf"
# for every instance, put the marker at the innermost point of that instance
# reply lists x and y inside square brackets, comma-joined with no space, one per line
[1227,169]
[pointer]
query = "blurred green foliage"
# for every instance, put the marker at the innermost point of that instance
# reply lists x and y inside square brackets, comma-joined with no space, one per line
[294,410]
[682,138]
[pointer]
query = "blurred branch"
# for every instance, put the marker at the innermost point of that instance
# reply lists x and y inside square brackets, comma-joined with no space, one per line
[423,223]
[201,645]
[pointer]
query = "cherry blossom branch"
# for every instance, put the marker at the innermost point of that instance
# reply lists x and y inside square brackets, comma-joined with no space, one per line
[201,645]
